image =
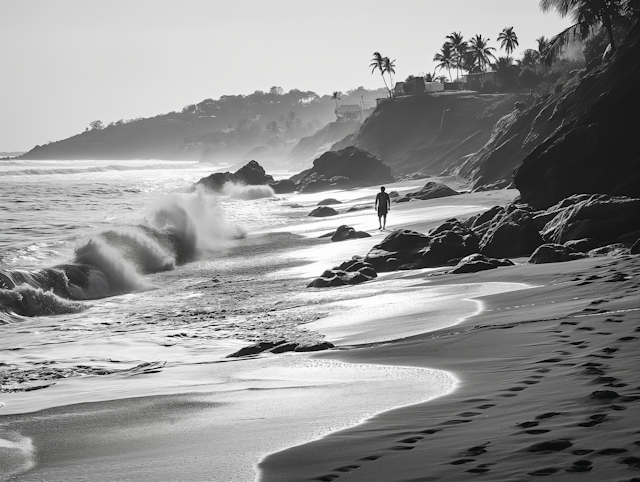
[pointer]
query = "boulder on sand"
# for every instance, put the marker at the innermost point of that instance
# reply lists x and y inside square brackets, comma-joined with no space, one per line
[345,232]
[478,262]
[251,174]
[349,167]
[323,211]
[605,218]
[406,249]
[432,190]
[554,253]
[350,272]
[510,235]
[328,201]
[283,186]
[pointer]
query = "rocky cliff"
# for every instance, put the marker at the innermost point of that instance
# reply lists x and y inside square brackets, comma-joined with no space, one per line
[430,132]
[581,139]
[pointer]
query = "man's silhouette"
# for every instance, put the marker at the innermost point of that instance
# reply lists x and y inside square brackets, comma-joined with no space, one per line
[383,205]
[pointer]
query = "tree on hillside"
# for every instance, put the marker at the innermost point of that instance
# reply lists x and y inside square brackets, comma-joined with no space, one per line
[377,63]
[483,54]
[588,17]
[506,72]
[388,67]
[96,125]
[336,96]
[458,47]
[508,40]
[445,58]
[273,128]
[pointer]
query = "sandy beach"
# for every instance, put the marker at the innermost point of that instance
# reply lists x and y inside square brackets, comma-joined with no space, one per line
[508,374]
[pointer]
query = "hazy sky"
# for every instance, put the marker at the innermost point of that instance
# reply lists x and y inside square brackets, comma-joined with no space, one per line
[65,63]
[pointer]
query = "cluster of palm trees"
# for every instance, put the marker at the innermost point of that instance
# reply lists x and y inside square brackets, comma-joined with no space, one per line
[475,55]
[385,66]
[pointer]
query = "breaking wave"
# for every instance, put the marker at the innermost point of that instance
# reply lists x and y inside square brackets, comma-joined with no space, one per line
[177,229]
[17,453]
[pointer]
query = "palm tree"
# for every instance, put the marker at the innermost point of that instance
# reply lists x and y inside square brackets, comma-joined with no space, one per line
[481,51]
[588,16]
[504,70]
[377,63]
[336,97]
[388,66]
[445,57]
[273,128]
[508,40]
[543,44]
[459,47]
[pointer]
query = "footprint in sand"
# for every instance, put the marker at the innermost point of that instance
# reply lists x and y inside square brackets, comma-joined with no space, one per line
[580,466]
[545,471]
[346,468]
[411,440]
[611,451]
[484,407]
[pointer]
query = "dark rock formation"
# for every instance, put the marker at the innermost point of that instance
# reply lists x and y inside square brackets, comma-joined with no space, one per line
[616,249]
[635,249]
[349,167]
[589,135]
[359,207]
[283,186]
[280,346]
[583,245]
[393,194]
[350,272]
[432,190]
[323,211]
[251,174]
[328,201]
[605,218]
[345,232]
[480,223]
[511,234]
[554,253]
[478,262]
[405,249]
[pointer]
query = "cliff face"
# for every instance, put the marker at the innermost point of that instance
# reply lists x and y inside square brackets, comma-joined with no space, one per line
[580,140]
[429,133]
[593,147]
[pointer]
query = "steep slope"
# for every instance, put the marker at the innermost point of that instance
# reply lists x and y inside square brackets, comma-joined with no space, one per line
[429,132]
[579,140]
[595,150]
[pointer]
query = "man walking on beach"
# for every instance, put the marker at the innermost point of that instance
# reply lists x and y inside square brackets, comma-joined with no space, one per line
[383,205]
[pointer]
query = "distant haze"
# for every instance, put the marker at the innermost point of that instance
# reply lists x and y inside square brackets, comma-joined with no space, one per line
[66,63]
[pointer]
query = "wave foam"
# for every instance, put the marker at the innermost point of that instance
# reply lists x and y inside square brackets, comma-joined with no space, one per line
[241,191]
[17,453]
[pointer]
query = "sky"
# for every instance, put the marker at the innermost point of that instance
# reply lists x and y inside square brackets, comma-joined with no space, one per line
[66,63]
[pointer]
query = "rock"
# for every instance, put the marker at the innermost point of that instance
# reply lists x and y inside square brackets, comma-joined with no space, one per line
[605,218]
[482,218]
[432,190]
[550,446]
[393,194]
[635,249]
[592,149]
[510,235]
[604,395]
[478,262]
[328,201]
[324,345]
[554,253]
[349,167]
[345,232]
[283,186]
[350,272]
[583,245]
[609,250]
[323,211]
[327,235]
[255,349]
[402,200]
[251,174]
[406,249]
[314,186]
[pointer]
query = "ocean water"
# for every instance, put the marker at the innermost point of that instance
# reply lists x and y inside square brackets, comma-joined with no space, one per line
[101,261]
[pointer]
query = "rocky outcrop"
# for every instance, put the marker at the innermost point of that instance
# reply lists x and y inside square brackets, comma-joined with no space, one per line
[432,190]
[283,186]
[478,262]
[323,212]
[328,202]
[350,272]
[280,346]
[589,143]
[349,167]
[605,218]
[311,147]
[345,232]
[554,253]
[635,249]
[511,234]
[251,174]
[406,249]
